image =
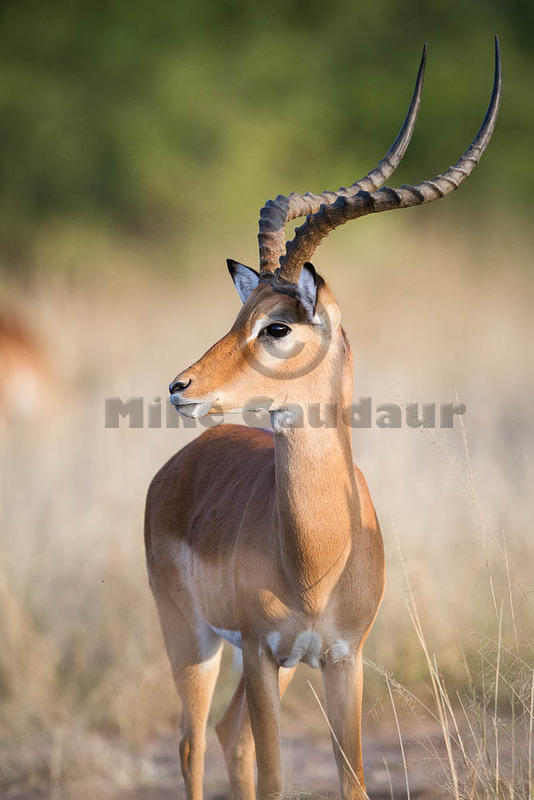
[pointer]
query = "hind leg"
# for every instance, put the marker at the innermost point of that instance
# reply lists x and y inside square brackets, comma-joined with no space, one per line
[194,651]
[195,685]
[235,735]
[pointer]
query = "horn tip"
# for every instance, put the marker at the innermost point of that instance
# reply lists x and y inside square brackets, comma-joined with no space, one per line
[498,63]
[422,66]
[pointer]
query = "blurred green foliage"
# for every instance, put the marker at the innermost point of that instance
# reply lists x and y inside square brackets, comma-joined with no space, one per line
[154,121]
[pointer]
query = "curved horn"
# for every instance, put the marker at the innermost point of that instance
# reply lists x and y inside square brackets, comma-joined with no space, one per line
[275,214]
[318,225]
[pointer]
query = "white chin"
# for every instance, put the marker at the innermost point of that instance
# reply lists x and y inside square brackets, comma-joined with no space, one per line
[194,410]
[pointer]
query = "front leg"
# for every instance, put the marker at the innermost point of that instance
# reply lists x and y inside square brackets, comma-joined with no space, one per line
[263,700]
[343,687]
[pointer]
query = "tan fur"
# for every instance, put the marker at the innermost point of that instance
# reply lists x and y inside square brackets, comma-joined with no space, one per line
[273,536]
[24,374]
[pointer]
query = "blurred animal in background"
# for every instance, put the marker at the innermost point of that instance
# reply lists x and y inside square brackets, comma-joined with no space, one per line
[25,375]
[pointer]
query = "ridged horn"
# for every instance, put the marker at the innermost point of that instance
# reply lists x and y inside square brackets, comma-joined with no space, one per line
[275,214]
[320,223]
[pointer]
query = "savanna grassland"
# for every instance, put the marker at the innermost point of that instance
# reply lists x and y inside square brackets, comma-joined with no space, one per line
[85,684]
[138,143]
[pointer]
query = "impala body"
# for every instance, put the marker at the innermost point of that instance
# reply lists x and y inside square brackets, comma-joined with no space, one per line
[26,385]
[270,540]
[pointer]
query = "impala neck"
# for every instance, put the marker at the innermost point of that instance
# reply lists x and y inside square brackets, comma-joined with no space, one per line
[317,503]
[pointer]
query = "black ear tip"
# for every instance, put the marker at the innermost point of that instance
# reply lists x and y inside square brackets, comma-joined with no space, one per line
[318,280]
[308,266]
[237,266]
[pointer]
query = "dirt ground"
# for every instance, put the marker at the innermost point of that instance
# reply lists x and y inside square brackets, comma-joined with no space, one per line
[309,771]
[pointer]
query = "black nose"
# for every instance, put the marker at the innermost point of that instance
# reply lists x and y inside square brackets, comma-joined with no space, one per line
[177,386]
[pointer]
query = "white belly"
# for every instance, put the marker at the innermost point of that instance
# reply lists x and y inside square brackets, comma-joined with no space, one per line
[307,647]
[234,637]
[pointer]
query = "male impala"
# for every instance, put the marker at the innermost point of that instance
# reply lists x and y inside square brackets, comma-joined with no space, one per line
[270,540]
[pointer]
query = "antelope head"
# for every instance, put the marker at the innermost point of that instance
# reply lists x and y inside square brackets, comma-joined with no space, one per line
[287,345]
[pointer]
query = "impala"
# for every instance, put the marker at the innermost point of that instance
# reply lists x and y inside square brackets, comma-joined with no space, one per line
[270,539]
[26,383]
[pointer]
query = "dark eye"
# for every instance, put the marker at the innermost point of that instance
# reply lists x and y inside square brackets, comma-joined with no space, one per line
[277,330]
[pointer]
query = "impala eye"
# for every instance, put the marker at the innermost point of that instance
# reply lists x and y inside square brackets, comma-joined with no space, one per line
[277,330]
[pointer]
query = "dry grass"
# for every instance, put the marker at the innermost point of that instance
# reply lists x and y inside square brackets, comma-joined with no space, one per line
[83,678]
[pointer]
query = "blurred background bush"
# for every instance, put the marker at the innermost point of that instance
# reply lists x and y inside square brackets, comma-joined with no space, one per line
[155,122]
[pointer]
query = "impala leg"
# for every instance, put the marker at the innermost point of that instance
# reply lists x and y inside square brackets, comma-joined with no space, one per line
[235,736]
[195,685]
[237,741]
[195,656]
[263,702]
[343,686]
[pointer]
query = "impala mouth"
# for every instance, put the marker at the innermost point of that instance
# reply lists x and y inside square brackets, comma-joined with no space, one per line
[191,407]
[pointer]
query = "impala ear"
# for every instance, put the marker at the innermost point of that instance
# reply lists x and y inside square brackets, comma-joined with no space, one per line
[245,278]
[309,283]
